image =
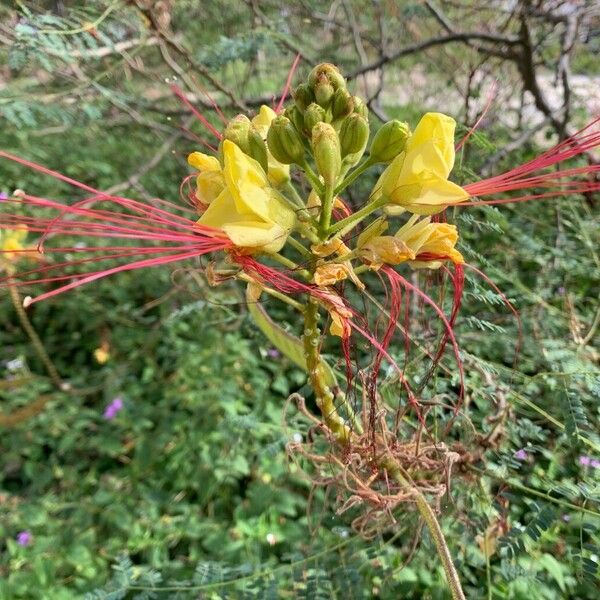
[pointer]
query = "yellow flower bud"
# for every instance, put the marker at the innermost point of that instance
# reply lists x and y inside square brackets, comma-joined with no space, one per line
[354,134]
[326,151]
[312,115]
[389,141]
[284,142]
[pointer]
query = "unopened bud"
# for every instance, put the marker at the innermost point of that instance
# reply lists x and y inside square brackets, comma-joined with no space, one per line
[331,72]
[242,133]
[303,96]
[360,107]
[312,115]
[294,114]
[237,131]
[326,150]
[323,92]
[389,141]
[284,141]
[257,148]
[342,104]
[354,134]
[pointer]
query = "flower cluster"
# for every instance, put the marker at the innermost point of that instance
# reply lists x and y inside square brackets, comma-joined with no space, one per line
[268,207]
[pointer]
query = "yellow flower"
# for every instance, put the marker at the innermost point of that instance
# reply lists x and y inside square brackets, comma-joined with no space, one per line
[11,242]
[278,172]
[417,179]
[210,181]
[249,211]
[418,242]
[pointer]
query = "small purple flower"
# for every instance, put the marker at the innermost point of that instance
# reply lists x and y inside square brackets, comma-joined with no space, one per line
[24,538]
[595,464]
[521,454]
[566,518]
[585,461]
[111,411]
[561,290]
[3,196]
[273,353]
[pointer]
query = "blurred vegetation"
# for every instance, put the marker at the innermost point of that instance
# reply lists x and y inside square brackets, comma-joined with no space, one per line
[188,491]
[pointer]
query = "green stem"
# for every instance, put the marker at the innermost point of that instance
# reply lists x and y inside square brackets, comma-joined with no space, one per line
[323,393]
[290,264]
[345,225]
[35,339]
[325,402]
[313,178]
[354,175]
[395,471]
[294,243]
[326,208]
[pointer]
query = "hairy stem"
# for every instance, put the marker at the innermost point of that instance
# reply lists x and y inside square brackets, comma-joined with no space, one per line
[36,342]
[396,472]
[343,434]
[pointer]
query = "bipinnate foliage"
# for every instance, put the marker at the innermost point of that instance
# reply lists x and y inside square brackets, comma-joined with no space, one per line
[176,496]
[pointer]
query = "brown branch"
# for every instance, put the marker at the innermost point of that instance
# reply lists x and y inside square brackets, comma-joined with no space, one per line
[435,41]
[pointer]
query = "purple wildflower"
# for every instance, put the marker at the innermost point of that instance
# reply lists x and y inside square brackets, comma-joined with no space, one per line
[595,464]
[3,196]
[24,538]
[520,454]
[561,290]
[585,461]
[111,411]
[273,353]
[566,518]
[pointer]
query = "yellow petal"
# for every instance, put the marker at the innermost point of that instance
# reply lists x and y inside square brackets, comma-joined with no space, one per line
[279,211]
[278,172]
[221,210]
[262,120]
[257,236]
[330,274]
[386,249]
[209,184]
[203,162]
[246,181]
[324,249]
[429,196]
[439,129]
[374,229]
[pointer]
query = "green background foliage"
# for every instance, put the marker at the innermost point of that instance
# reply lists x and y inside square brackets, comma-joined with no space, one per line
[189,491]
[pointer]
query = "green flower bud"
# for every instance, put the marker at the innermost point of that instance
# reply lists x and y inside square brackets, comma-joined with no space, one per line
[257,149]
[294,114]
[354,134]
[360,107]
[331,72]
[326,150]
[323,92]
[389,141]
[241,131]
[312,115]
[303,96]
[284,141]
[342,104]
[237,131]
